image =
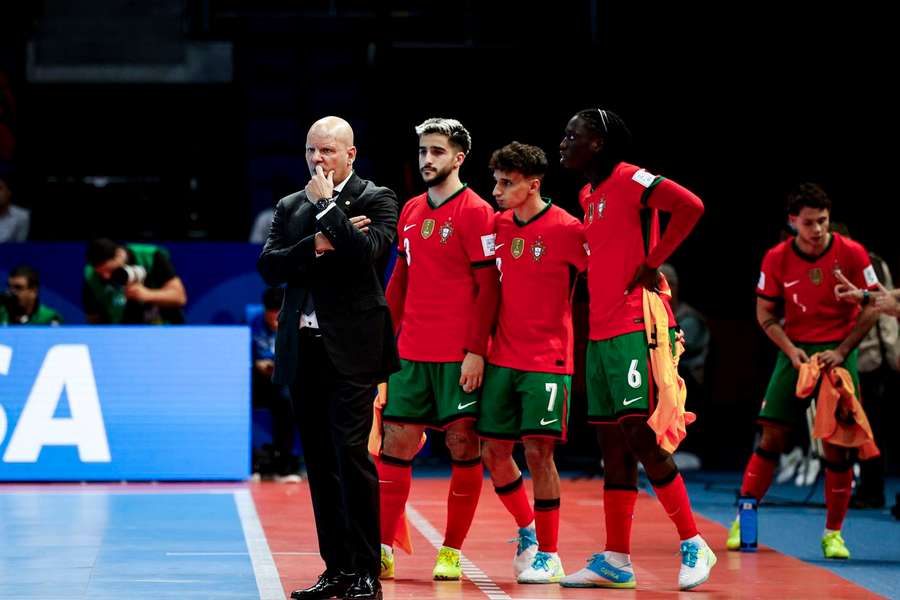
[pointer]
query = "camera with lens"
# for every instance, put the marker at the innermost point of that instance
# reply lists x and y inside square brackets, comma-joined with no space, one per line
[128,274]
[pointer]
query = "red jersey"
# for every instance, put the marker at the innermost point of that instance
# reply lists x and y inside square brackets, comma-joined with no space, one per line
[441,246]
[536,261]
[812,312]
[613,229]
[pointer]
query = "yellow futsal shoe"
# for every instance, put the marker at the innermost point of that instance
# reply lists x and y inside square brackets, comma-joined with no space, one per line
[734,536]
[447,565]
[387,563]
[833,546]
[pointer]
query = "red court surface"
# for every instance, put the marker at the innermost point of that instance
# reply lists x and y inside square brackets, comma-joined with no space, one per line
[286,516]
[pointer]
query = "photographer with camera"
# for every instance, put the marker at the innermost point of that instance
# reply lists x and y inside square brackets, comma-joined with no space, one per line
[20,304]
[131,284]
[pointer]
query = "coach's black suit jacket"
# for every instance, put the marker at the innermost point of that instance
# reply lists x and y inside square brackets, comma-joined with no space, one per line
[345,286]
[333,374]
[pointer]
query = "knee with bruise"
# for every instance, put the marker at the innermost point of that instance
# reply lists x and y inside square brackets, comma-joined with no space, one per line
[400,442]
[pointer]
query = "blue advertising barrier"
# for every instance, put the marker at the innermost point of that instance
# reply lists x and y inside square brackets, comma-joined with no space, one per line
[117,403]
[220,277]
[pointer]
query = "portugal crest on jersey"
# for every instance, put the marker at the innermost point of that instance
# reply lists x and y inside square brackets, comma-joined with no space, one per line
[446,231]
[537,249]
[427,228]
[815,275]
[517,248]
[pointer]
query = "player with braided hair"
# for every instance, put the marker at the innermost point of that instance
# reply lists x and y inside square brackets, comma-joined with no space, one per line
[620,203]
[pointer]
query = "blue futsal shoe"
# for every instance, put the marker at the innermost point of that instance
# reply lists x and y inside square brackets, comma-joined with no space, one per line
[600,573]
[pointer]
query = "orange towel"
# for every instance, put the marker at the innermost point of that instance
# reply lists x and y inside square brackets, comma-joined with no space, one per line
[669,419]
[402,539]
[840,418]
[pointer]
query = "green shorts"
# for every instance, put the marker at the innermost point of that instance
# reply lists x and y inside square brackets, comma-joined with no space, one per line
[618,377]
[428,393]
[781,406]
[519,404]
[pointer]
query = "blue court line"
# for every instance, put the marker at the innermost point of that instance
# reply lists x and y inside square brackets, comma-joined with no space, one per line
[106,546]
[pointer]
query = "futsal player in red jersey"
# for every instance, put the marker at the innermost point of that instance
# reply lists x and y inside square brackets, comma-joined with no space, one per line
[443,300]
[800,277]
[540,249]
[620,203]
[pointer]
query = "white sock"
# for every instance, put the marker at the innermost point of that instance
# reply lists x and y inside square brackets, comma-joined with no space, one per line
[619,560]
[387,549]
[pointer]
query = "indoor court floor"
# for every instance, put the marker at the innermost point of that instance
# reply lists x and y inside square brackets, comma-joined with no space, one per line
[257,540]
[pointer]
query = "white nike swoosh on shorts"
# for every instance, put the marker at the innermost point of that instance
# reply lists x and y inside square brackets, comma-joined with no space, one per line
[632,401]
[462,406]
[548,422]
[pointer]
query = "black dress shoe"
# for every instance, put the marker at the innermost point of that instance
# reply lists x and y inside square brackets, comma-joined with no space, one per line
[366,587]
[329,585]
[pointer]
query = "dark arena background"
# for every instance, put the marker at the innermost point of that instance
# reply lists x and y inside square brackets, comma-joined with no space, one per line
[176,122]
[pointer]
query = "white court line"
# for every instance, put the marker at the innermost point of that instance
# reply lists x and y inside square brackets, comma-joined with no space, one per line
[475,575]
[207,553]
[239,553]
[267,580]
[171,581]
